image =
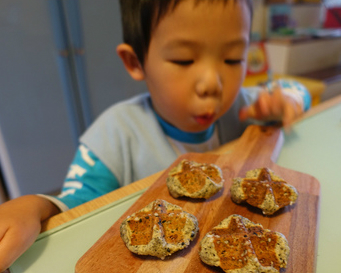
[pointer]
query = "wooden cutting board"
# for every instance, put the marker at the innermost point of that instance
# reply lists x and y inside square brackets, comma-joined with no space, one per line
[255,148]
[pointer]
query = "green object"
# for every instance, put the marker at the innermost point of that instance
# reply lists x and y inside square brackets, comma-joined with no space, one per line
[58,250]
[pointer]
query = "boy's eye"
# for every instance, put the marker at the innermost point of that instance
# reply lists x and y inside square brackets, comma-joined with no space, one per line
[233,62]
[182,62]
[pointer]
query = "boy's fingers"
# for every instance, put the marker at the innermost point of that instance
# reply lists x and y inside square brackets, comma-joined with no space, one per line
[288,115]
[263,104]
[8,253]
[20,224]
[247,112]
[243,114]
[9,250]
[276,103]
[7,257]
[292,111]
[15,239]
[259,110]
[274,106]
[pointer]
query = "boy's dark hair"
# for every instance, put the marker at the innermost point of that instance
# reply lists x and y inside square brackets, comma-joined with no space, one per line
[138,18]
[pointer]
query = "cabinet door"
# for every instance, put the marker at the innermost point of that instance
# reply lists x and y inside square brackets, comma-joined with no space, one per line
[36,143]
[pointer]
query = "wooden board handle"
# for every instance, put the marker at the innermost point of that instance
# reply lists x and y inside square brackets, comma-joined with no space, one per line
[259,145]
[260,140]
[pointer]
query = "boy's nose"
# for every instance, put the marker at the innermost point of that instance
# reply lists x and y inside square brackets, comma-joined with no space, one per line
[209,84]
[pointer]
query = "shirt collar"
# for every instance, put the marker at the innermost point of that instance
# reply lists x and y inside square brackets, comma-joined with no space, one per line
[187,137]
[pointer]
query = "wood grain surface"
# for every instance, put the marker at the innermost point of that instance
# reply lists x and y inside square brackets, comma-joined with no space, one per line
[256,147]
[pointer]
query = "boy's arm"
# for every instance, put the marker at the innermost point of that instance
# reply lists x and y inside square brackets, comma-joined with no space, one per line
[20,219]
[20,224]
[286,102]
[87,179]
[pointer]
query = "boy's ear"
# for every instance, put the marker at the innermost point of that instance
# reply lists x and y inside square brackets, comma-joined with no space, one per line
[130,61]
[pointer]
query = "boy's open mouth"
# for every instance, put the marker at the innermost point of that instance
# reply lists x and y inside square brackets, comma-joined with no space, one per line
[204,119]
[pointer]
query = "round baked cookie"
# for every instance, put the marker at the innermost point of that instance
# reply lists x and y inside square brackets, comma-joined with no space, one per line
[238,245]
[195,180]
[263,189]
[159,229]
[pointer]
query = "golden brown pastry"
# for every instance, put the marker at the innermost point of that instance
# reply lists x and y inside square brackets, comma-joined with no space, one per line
[263,189]
[238,245]
[195,180]
[159,229]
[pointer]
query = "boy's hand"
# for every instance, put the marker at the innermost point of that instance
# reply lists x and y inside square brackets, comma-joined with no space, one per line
[275,106]
[20,224]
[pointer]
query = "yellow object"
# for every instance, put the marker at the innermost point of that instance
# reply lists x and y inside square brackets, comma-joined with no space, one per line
[315,87]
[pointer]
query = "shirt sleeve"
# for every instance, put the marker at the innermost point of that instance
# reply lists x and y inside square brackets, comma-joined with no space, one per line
[87,179]
[297,90]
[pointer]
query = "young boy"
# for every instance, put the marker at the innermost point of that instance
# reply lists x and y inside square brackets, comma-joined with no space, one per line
[192,56]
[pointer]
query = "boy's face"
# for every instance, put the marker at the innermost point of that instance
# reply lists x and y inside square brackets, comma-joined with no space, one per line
[196,62]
